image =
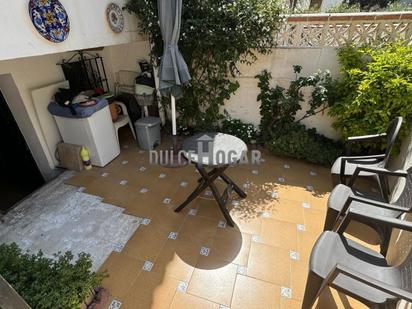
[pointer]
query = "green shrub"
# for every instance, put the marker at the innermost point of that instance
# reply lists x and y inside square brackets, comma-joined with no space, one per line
[245,131]
[376,86]
[216,35]
[49,283]
[296,141]
[281,132]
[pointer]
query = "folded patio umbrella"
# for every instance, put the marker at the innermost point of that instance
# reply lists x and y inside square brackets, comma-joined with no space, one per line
[173,71]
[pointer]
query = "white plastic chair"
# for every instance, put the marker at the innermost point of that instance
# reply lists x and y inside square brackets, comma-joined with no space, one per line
[122,121]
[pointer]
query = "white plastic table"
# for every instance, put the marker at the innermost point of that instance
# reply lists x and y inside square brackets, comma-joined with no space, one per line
[215,151]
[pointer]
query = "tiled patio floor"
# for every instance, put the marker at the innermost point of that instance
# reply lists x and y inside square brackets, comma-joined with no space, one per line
[191,259]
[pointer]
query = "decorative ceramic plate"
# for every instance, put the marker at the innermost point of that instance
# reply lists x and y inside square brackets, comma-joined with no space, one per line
[115,17]
[50,19]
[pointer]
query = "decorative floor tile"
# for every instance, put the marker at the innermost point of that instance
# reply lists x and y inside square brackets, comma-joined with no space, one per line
[144,190]
[182,287]
[118,247]
[274,194]
[123,182]
[309,187]
[242,270]
[285,292]
[204,251]
[312,173]
[147,266]
[301,227]
[255,172]
[235,203]
[172,235]
[192,212]
[281,179]
[105,174]
[256,238]
[125,162]
[221,224]
[115,304]
[142,169]
[286,166]
[146,221]
[223,307]
[167,201]
[294,255]
[306,205]
[247,185]
[265,214]
[162,176]
[184,184]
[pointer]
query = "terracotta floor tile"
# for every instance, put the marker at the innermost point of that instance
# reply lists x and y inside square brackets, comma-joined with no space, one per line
[123,271]
[279,234]
[330,298]
[269,263]
[251,293]
[187,301]
[286,210]
[145,244]
[250,225]
[268,215]
[82,179]
[287,303]
[314,220]
[298,280]
[232,246]
[151,291]
[214,280]
[199,230]
[208,207]
[178,259]
[306,240]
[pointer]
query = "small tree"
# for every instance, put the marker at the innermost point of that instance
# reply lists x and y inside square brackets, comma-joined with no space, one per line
[216,35]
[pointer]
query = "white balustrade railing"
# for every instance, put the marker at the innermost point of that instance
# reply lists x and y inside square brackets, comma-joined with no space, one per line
[335,30]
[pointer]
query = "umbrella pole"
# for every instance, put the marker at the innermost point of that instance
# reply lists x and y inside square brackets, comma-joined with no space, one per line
[175,160]
[174,129]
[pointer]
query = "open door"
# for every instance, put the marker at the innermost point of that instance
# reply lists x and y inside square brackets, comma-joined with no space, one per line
[19,174]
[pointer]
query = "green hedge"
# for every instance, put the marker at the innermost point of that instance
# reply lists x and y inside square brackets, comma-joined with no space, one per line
[296,141]
[49,283]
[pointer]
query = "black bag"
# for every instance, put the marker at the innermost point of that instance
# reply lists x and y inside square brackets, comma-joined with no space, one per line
[64,98]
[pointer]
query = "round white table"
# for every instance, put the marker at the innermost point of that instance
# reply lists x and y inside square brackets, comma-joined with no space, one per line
[215,151]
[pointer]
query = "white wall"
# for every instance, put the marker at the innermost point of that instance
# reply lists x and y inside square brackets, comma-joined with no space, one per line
[35,72]
[28,61]
[243,105]
[89,28]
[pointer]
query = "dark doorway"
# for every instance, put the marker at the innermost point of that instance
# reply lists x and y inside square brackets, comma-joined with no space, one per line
[19,174]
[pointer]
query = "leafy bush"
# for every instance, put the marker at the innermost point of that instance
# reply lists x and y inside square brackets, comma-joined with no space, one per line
[281,131]
[295,140]
[376,86]
[245,131]
[215,36]
[49,283]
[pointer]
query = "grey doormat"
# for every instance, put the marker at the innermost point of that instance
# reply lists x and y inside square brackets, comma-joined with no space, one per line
[59,218]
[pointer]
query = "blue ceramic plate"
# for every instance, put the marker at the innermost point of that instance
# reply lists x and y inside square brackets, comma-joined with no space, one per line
[50,19]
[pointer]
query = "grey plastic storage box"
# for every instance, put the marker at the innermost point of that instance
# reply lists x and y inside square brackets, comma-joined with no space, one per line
[148,132]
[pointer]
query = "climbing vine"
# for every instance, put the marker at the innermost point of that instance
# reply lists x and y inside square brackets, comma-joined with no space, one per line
[216,36]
